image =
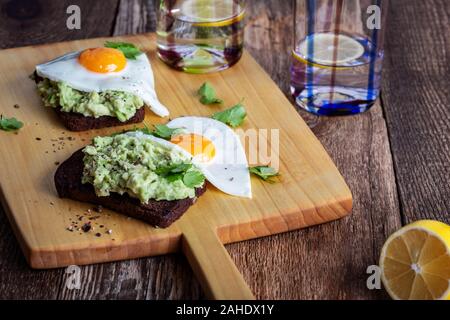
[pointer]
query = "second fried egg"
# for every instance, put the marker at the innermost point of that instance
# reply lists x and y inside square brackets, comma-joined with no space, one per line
[217,151]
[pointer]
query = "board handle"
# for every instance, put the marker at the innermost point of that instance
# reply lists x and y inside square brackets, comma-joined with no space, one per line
[212,264]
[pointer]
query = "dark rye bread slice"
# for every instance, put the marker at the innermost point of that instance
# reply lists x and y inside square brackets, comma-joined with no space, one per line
[157,213]
[77,122]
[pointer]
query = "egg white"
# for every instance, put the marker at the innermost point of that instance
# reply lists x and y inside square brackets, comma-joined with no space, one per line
[136,78]
[228,170]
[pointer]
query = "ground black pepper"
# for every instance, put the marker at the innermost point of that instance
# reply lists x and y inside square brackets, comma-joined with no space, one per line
[86,227]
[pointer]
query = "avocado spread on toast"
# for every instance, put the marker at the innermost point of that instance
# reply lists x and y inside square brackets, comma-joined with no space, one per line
[118,104]
[129,164]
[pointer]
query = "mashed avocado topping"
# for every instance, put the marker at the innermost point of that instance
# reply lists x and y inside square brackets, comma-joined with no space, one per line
[121,105]
[134,165]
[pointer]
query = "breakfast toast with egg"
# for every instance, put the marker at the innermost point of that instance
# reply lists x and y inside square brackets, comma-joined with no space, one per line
[78,122]
[157,213]
[99,87]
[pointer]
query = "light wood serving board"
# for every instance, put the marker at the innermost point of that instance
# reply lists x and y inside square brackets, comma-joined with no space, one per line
[311,190]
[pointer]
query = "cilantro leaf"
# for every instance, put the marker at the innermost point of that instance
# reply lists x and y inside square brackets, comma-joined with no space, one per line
[175,168]
[193,179]
[10,124]
[233,116]
[161,131]
[128,49]
[174,177]
[146,130]
[181,168]
[164,132]
[264,172]
[208,94]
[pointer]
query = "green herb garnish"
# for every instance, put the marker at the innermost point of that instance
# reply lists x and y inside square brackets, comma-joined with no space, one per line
[161,131]
[145,130]
[174,177]
[193,179]
[129,50]
[264,172]
[190,178]
[176,168]
[164,132]
[208,94]
[10,124]
[233,116]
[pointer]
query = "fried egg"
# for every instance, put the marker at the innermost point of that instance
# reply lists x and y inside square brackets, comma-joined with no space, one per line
[214,148]
[217,151]
[101,69]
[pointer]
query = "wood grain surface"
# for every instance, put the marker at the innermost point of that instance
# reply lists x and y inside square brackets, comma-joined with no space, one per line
[395,159]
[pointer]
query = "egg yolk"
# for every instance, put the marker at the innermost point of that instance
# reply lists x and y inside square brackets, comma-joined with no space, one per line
[103,60]
[200,147]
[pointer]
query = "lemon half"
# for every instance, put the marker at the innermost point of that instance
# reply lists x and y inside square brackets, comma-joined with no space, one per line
[330,49]
[415,262]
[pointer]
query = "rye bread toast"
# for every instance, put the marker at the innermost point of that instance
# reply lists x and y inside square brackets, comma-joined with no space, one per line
[157,213]
[77,122]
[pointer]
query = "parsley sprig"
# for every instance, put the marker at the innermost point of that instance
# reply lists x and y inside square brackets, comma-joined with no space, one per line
[208,94]
[233,116]
[164,132]
[161,131]
[128,49]
[10,124]
[265,173]
[191,178]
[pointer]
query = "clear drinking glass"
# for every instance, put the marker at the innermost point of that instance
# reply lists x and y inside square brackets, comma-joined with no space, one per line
[338,54]
[200,36]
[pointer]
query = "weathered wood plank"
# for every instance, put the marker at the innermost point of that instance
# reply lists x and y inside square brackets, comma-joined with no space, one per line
[32,22]
[416,97]
[135,16]
[165,277]
[17,280]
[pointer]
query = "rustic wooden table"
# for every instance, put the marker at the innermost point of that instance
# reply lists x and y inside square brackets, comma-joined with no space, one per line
[396,159]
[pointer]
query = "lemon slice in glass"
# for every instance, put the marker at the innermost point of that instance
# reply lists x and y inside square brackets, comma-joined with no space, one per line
[199,58]
[415,262]
[211,13]
[331,49]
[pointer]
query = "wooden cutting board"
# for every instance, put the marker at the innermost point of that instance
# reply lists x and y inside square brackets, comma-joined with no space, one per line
[310,191]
